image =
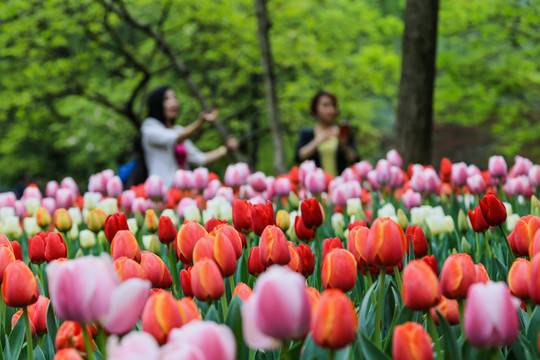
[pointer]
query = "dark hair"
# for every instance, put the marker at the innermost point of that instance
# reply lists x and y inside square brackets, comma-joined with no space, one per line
[155,103]
[315,101]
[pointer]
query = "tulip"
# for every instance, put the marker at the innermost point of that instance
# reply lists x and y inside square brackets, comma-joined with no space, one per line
[15,318]
[62,220]
[385,243]
[315,181]
[70,336]
[114,223]
[476,184]
[185,282]
[430,260]
[482,328]
[254,265]
[36,248]
[296,261]
[478,222]
[96,219]
[155,270]
[19,286]
[421,289]
[128,268]
[67,354]
[37,313]
[411,199]
[411,342]
[523,235]
[394,158]
[519,278]
[282,186]
[153,187]
[160,316]
[87,239]
[356,244]
[308,259]
[312,213]
[334,321]
[481,273]
[449,309]
[6,258]
[243,291]
[493,209]
[214,341]
[88,290]
[283,220]
[236,174]
[43,217]
[331,244]
[188,235]
[137,345]
[273,247]
[262,215]
[231,235]
[183,179]
[459,174]
[166,230]
[303,233]
[339,270]
[278,309]
[497,166]
[457,275]
[206,280]
[188,310]
[16,251]
[419,242]
[257,181]
[534,280]
[124,243]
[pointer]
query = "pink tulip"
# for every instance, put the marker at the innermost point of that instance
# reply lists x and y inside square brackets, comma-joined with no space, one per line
[173,351]
[432,181]
[491,315]
[138,204]
[534,175]
[115,186]
[69,183]
[382,171]
[211,190]
[7,199]
[236,174]
[521,166]
[126,199]
[49,204]
[269,193]
[363,168]
[153,186]
[183,179]
[518,185]
[97,183]
[396,177]
[315,181]
[282,186]
[349,175]
[497,166]
[215,341]
[20,209]
[277,310]
[89,290]
[411,199]
[246,192]
[51,188]
[226,192]
[137,345]
[346,191]
[200,178]
[476,184]
[257,181]
[305,168]
[65,198]
[372,179]
[394,158]
[31,191]
[418,181]
[459,174]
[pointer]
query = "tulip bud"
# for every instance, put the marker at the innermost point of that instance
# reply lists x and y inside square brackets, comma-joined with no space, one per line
[519,278]
[15,318]
[493,209]
[166,230]
[87,239]
[128,268]
[206,280]
[113,223]
[132,225]
[188,235]
[185,282]
[421,289]
[125,244]
[385,244]
[411,341]
[36,248]
[463,225]
[402,219]
[62,220]
[96,219]
[465,246]
[151,243]
[273,247]
[262,215]
[283,220]
[155,270]
[19,286]
[43,217]
[308,259]
[296,261]
[302,232]
[457,275]
[242,215]
[160,316]
[478,223]
[150,221]
[55,247]
[188,310]
[416,235]
[334,320]
[254,265]
[338,224]
[312,213]
[339,270]
[449,309]
[38,314]
[243,291]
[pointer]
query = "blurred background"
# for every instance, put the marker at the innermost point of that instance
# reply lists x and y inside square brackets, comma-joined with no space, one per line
[75,75]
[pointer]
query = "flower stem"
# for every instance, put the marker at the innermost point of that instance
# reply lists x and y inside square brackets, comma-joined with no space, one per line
[398,277]
[378,314]
[510,253]
[29,347]
[461,303]
[434,334]
[101,341]
[285,354]
[224,305]
[174,272]
[87,343]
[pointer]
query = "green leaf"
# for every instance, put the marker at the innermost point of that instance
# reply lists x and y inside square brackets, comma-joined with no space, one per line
[449,340]
[234,322]
[312,351]
[52,328]
[38,354]
[212,314]
[366,317]
[16,339]
[369,350]
[533,329]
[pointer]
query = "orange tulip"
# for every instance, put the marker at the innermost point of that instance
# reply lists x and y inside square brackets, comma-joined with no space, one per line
[457,275]
[67,354]
[534,282]
[37,313]
[125,244]
[19,287]
[220,250]
[273,247]
[356,244]
[519,277]
[331,244]
[411,342]
[206,280]
[232,235]
[6,258]
[188,310]
[188,235]
[243,291]
[314,299]
[448,308]
[385,244]
[151,221]
[524,232]
[128,268]
[481,273]
[155,270]
[339,270]
[421,289]
[160,316]
[335,322]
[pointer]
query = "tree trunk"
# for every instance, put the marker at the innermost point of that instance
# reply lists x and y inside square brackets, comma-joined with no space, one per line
[271,98]
[415,104]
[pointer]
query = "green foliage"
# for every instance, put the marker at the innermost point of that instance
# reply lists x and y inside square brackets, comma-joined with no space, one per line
[70,71]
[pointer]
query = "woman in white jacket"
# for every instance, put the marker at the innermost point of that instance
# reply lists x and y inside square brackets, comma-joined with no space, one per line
[166,146]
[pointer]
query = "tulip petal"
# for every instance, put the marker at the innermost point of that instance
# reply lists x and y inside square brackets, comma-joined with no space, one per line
[253,336]
[127,303]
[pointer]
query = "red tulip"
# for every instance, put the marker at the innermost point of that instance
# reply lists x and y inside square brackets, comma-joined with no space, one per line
[6,258]
[254,265]
[242,215]
[273,247]
[262,215]
[67,354]
[356,223]
[113,223]
[421,289]
[385,244]
[331,244]
[15,318]
[356,244]
[206,280]
[312,213]
[308,259]
[188,310]
[16,249]
[243,291]
[185,282]
[430,260]
[478,222]
[155,270]
[125,244]
[160,316]
[457,275]
[19,287]
[481,273]
[449,309]
[335,321]
[419,242]
[188,235]
[70,336]
[493,209]
[36,248]
[37,313]
[411,342]
[55,247]
[339,270]
[212,223]
[302,232]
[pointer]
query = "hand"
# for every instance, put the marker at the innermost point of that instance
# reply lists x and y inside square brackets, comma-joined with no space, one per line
[327,134]
[209,116]
[231,143]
